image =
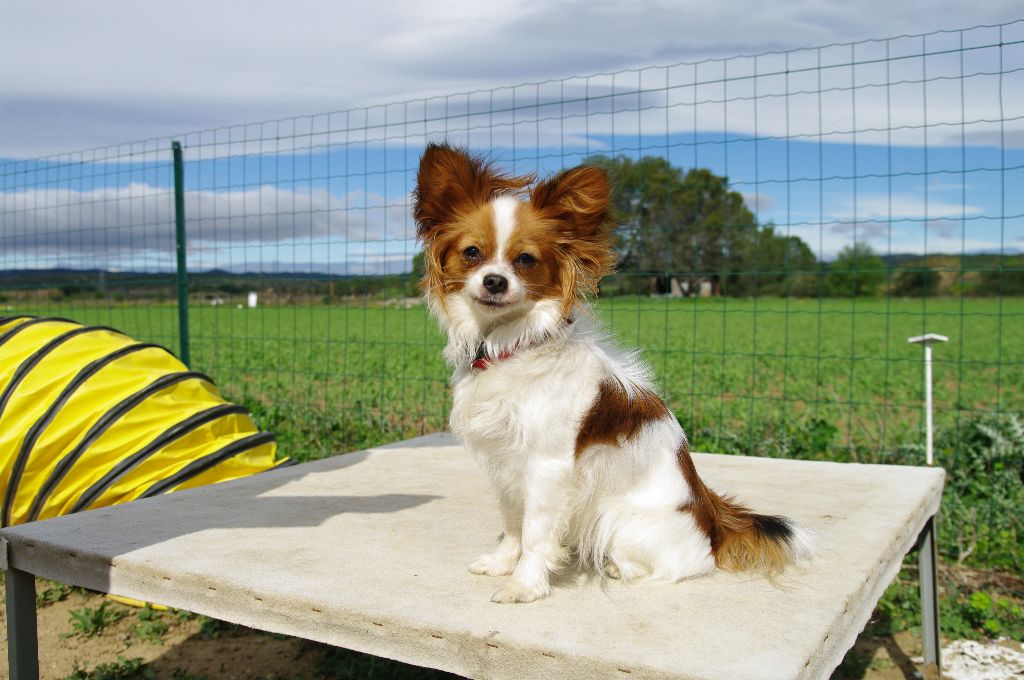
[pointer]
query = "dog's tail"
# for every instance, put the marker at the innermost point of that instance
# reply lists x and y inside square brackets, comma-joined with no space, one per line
[742,540]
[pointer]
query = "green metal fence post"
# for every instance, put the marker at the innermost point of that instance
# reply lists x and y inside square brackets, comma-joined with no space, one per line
[179,238]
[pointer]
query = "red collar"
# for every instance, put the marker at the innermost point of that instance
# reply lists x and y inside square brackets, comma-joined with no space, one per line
[482,360]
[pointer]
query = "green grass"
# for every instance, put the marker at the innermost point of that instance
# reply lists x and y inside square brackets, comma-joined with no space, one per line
[89,622]
[122,669]
[329,379]
[966,613]
[53,593]
[150,627]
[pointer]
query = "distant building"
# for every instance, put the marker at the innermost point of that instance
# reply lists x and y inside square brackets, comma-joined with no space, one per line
[682,287]
[677,286]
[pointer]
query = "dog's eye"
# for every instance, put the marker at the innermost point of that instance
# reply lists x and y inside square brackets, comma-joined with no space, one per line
[525,260]
[472,254]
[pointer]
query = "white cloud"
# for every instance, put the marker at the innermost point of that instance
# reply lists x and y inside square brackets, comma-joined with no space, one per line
[910,222]
[828,239]
[758,202]
[139,218]
[907,205]
[877,231]
[860,231]
[90,74]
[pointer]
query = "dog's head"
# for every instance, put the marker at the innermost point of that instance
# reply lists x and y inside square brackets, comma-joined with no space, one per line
[497,246]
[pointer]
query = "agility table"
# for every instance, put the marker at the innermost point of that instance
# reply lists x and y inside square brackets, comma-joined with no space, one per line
[368,551]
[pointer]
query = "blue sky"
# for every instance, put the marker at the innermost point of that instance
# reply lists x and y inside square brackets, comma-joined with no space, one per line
[914,144]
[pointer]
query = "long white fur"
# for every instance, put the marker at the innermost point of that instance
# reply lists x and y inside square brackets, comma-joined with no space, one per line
[616,507]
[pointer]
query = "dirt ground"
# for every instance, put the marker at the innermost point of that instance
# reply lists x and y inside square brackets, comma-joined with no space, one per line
[217,654]
[204,648]
[883,658]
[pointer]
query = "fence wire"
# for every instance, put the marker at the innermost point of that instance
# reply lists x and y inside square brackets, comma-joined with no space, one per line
[787,221]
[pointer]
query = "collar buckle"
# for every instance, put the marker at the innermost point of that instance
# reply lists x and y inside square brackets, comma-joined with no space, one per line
[483,360]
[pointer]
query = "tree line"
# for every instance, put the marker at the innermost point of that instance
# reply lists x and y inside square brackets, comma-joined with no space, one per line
[691,227]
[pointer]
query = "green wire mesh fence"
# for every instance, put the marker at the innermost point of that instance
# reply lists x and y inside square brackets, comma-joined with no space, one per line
[787,221]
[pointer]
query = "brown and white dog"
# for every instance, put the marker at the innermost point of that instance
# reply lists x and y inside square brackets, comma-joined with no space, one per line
[584,455]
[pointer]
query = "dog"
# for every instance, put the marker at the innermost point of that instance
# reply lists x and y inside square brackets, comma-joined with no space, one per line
[586,459]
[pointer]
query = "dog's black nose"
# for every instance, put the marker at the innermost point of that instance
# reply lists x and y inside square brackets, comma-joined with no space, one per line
[495,284]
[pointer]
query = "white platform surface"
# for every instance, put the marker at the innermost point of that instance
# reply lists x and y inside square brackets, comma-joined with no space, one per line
[369,551]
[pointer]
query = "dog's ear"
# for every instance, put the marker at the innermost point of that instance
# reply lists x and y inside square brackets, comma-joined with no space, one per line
[578,199]
[577,203]
[451,182]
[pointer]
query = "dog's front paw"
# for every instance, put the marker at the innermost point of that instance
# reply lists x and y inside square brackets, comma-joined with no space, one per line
[515,590]
[493,564]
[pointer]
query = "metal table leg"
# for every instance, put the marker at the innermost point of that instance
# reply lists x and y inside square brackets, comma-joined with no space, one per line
[22,643]
[929,595]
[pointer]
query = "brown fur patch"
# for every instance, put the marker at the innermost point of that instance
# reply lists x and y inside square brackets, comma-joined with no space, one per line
[452,187]
[451,182]
[741,540]
[614,417]
[576,207]
[446,251]
[535,236]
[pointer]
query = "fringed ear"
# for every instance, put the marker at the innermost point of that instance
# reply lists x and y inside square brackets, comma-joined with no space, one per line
[450,182]
[578,203]
[580,199]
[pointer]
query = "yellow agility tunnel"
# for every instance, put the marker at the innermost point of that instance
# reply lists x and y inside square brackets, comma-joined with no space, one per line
[89,417]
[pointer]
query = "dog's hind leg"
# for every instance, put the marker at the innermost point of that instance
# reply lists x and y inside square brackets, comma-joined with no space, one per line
[664,545]
[625,569]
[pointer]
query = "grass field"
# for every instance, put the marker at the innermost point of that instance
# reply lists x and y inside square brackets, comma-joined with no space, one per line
[334,378]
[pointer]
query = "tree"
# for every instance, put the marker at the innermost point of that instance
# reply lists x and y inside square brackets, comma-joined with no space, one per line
[412,281]
[779,265]
[691,226]
[671,223]
[857,271]
[916,282]
[1007,279]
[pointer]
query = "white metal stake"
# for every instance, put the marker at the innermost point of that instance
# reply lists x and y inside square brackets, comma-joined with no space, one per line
[929,456]
[927,560]
[928,340]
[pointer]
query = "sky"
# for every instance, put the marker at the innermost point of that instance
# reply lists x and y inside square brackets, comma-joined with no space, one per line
[913,154]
